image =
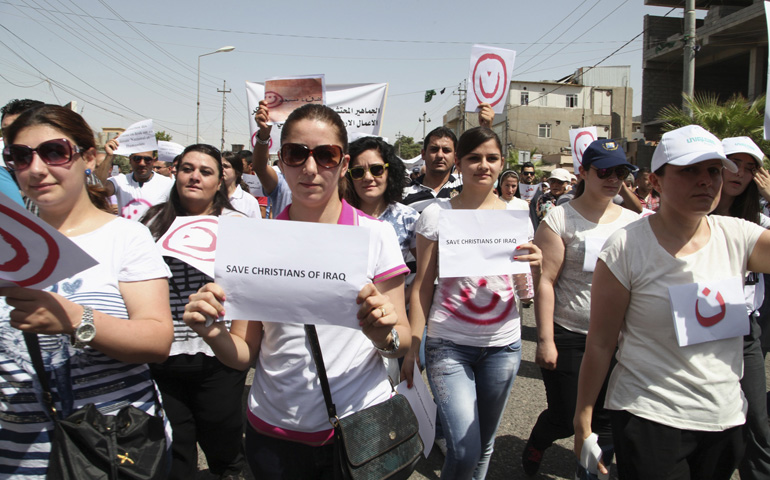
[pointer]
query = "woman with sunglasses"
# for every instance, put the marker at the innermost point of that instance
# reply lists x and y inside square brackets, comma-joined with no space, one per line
[674,397]
[740,198]
[240,199]
[201,395]
[287,417]
[472,352]
[97,329]
[573,234]
[375,182]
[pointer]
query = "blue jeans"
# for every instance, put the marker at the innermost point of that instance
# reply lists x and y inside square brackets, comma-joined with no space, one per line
[471,386]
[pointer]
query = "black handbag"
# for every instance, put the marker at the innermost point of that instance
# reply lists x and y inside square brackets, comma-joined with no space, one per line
[88,445]
[378,442]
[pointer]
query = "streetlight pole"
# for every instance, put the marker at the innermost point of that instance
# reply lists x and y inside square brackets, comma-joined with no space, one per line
[198,113]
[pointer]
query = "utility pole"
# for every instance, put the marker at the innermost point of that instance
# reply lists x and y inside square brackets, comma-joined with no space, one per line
[399,136]
[424,121]
[224,92]
[688,85]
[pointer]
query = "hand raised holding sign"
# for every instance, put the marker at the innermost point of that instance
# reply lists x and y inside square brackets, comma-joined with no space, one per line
[486,115]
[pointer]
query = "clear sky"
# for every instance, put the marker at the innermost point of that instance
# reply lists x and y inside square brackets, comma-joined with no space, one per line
[130,60]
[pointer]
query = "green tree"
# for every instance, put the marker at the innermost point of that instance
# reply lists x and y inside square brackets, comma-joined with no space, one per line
[407,148]
[163,136]
[735,117]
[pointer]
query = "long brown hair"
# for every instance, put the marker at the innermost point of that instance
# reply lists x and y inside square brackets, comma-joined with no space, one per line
[71,125]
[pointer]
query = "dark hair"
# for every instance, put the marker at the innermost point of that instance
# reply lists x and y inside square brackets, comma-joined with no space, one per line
[160,217]
[526,165]
[321,113]
[17,106]
[746,204]
[245,155]
[68,123]
[234,159]
[440,132]
[396,170]
[579,189]
[503,176]
[473,138]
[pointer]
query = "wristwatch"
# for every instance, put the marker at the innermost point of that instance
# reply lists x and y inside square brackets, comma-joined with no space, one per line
[85,332]
[394,343]
[260,141]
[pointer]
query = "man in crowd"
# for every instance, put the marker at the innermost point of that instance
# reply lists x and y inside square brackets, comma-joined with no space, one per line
[163,168]
[438,153]
[139,190]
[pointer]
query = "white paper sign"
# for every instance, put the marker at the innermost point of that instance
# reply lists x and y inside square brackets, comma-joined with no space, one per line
[489,77]
[192,240]
[139,137]
[361,107]
[168,151]
[255,186]
[593,249]
[2,161]
[32,253]
[423,406]
[481,242]
[709,311]
[286,94]
[308,272]
[115,170]
[528,192]
[579,140]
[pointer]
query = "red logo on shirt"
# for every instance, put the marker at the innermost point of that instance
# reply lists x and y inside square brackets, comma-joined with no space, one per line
[471,312]
[714,319]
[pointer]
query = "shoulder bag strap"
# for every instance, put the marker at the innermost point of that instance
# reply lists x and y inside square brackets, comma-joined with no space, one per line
[33,346]
[318,359]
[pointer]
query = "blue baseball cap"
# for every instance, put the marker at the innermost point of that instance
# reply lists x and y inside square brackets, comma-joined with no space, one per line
[605,154]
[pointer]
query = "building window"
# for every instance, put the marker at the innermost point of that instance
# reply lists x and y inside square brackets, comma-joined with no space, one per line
[572,100]
[544,130]
[525,98]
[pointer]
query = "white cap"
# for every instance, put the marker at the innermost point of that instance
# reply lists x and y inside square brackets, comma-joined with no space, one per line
[687,146]
[743,145]
[561,174]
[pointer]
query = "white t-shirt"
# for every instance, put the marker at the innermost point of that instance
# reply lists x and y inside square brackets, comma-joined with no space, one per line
[695,387]
[572,290]
[285,399]
[452,316]
[245,203]
[134,199]
[517,204]
[126,253]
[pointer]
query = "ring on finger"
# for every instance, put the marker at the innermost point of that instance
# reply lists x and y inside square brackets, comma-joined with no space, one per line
[382,310]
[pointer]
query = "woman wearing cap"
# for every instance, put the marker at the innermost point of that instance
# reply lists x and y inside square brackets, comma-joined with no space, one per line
[740,198]
[557,186]
[573,234]
[676,410]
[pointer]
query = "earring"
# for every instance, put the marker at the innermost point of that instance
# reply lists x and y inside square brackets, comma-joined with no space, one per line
[88,172]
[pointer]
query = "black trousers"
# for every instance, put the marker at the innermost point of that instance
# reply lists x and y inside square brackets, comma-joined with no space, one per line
[756,461]
[277,459]
[561,386]
[203,401]
[647,450]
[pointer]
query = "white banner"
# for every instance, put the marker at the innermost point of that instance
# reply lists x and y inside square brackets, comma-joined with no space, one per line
[361,107]
[489,77]
[138,137]
[316,282]
[167,151]
[481,242]
[528,192]
[286,94]
[579,140]
[33,253]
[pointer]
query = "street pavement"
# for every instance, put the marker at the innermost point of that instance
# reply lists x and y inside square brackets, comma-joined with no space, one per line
[525,404]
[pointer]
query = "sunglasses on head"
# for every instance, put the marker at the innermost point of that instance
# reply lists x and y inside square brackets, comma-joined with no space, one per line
[141,158]
[620,171]
[358,172]
[326,156]
[51,152]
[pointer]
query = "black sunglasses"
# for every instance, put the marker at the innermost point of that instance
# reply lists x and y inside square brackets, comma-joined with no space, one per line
[620,171]
[377,170]
[52,152]
[141,158]
[326,156]
[527,173]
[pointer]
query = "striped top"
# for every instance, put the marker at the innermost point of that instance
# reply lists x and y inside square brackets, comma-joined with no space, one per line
[125,252]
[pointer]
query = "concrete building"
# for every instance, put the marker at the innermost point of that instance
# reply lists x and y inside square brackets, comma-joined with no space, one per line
[539,115]
[731,55]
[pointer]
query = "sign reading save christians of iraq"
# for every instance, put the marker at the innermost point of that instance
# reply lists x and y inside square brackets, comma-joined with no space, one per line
[482,242]
[290,279]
